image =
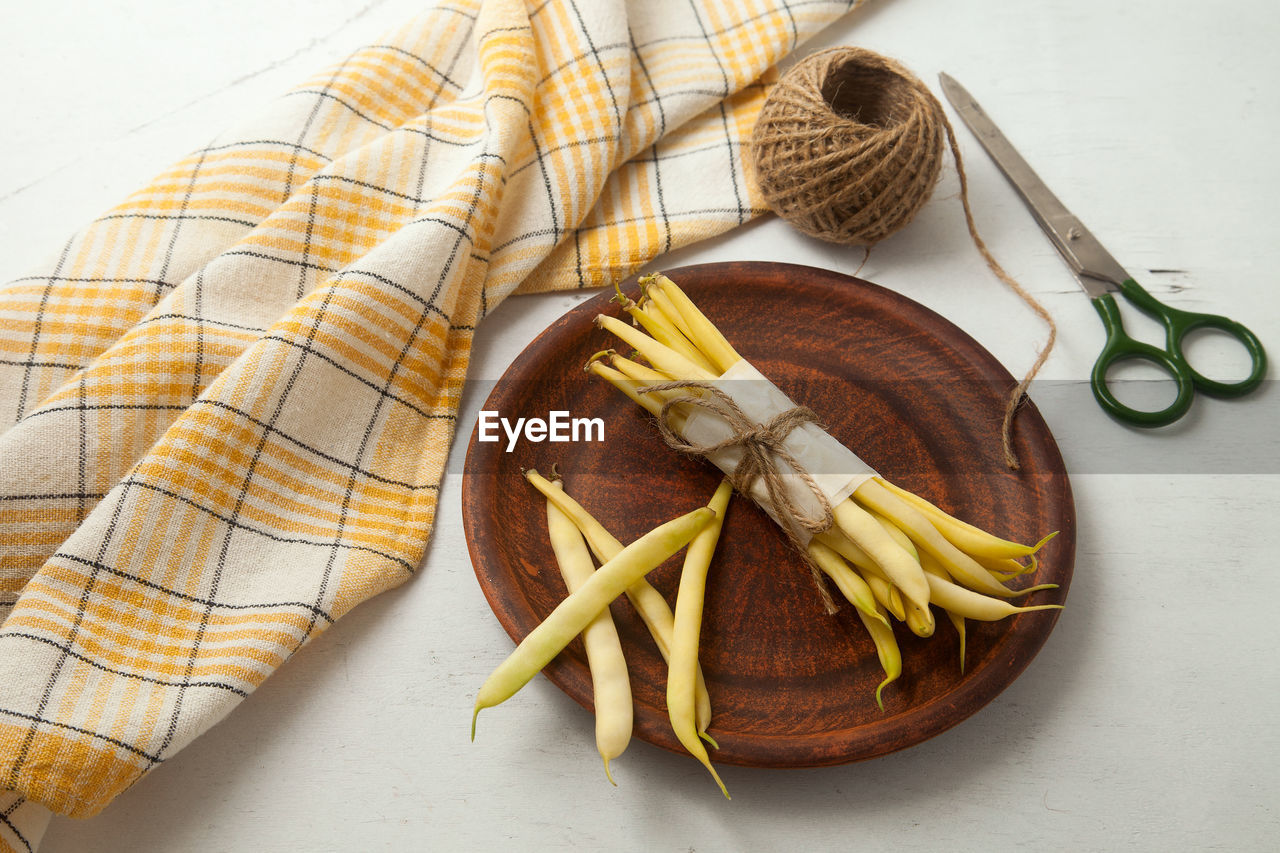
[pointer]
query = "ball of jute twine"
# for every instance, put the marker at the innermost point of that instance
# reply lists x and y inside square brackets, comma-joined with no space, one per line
[848,147]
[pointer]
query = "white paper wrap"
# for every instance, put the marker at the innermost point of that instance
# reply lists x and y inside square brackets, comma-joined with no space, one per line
[836,469]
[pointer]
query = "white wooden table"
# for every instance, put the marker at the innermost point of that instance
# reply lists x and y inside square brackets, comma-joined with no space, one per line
[1148,721]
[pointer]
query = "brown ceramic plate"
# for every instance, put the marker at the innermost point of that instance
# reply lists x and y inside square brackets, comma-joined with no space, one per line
[790,686]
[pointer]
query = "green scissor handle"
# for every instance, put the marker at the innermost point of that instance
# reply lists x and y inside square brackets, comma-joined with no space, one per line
[1177,323]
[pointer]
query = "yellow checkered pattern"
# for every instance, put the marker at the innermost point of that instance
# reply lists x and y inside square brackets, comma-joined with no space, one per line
[227,403]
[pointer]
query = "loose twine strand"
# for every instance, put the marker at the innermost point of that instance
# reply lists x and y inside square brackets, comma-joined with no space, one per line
[762,451]
[848,147]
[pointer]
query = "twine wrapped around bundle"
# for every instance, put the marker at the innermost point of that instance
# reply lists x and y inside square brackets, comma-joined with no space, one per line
[848,147]
[763,449]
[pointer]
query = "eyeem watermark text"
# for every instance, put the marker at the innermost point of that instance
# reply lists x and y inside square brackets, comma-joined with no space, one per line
[558,426]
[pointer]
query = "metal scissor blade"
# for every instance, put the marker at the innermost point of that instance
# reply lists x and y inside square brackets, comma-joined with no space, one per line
[1091,263]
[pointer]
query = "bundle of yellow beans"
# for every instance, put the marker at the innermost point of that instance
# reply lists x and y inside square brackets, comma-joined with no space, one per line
[891,553]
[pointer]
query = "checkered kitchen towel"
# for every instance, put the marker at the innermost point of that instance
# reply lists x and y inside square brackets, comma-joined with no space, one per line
[226,404]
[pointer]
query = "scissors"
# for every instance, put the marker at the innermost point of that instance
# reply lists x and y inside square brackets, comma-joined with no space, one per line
[1101,276]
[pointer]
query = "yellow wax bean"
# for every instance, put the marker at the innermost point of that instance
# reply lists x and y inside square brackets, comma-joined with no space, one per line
[648,402]
[1007,568]
[610,685]
[661,357]
[648,602]
[840,543]
[640,372]
[967,537]
[958,564]
[865,532]
[933,566]
[576,611]
[920,622]
[895,532]
[958,621]
[881,587]
[700,330]
[660,303]
[682,669]
[642,376]
[661,330]
[890,597]
[651,402]
[850,583]
[974,605]
[886,650]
